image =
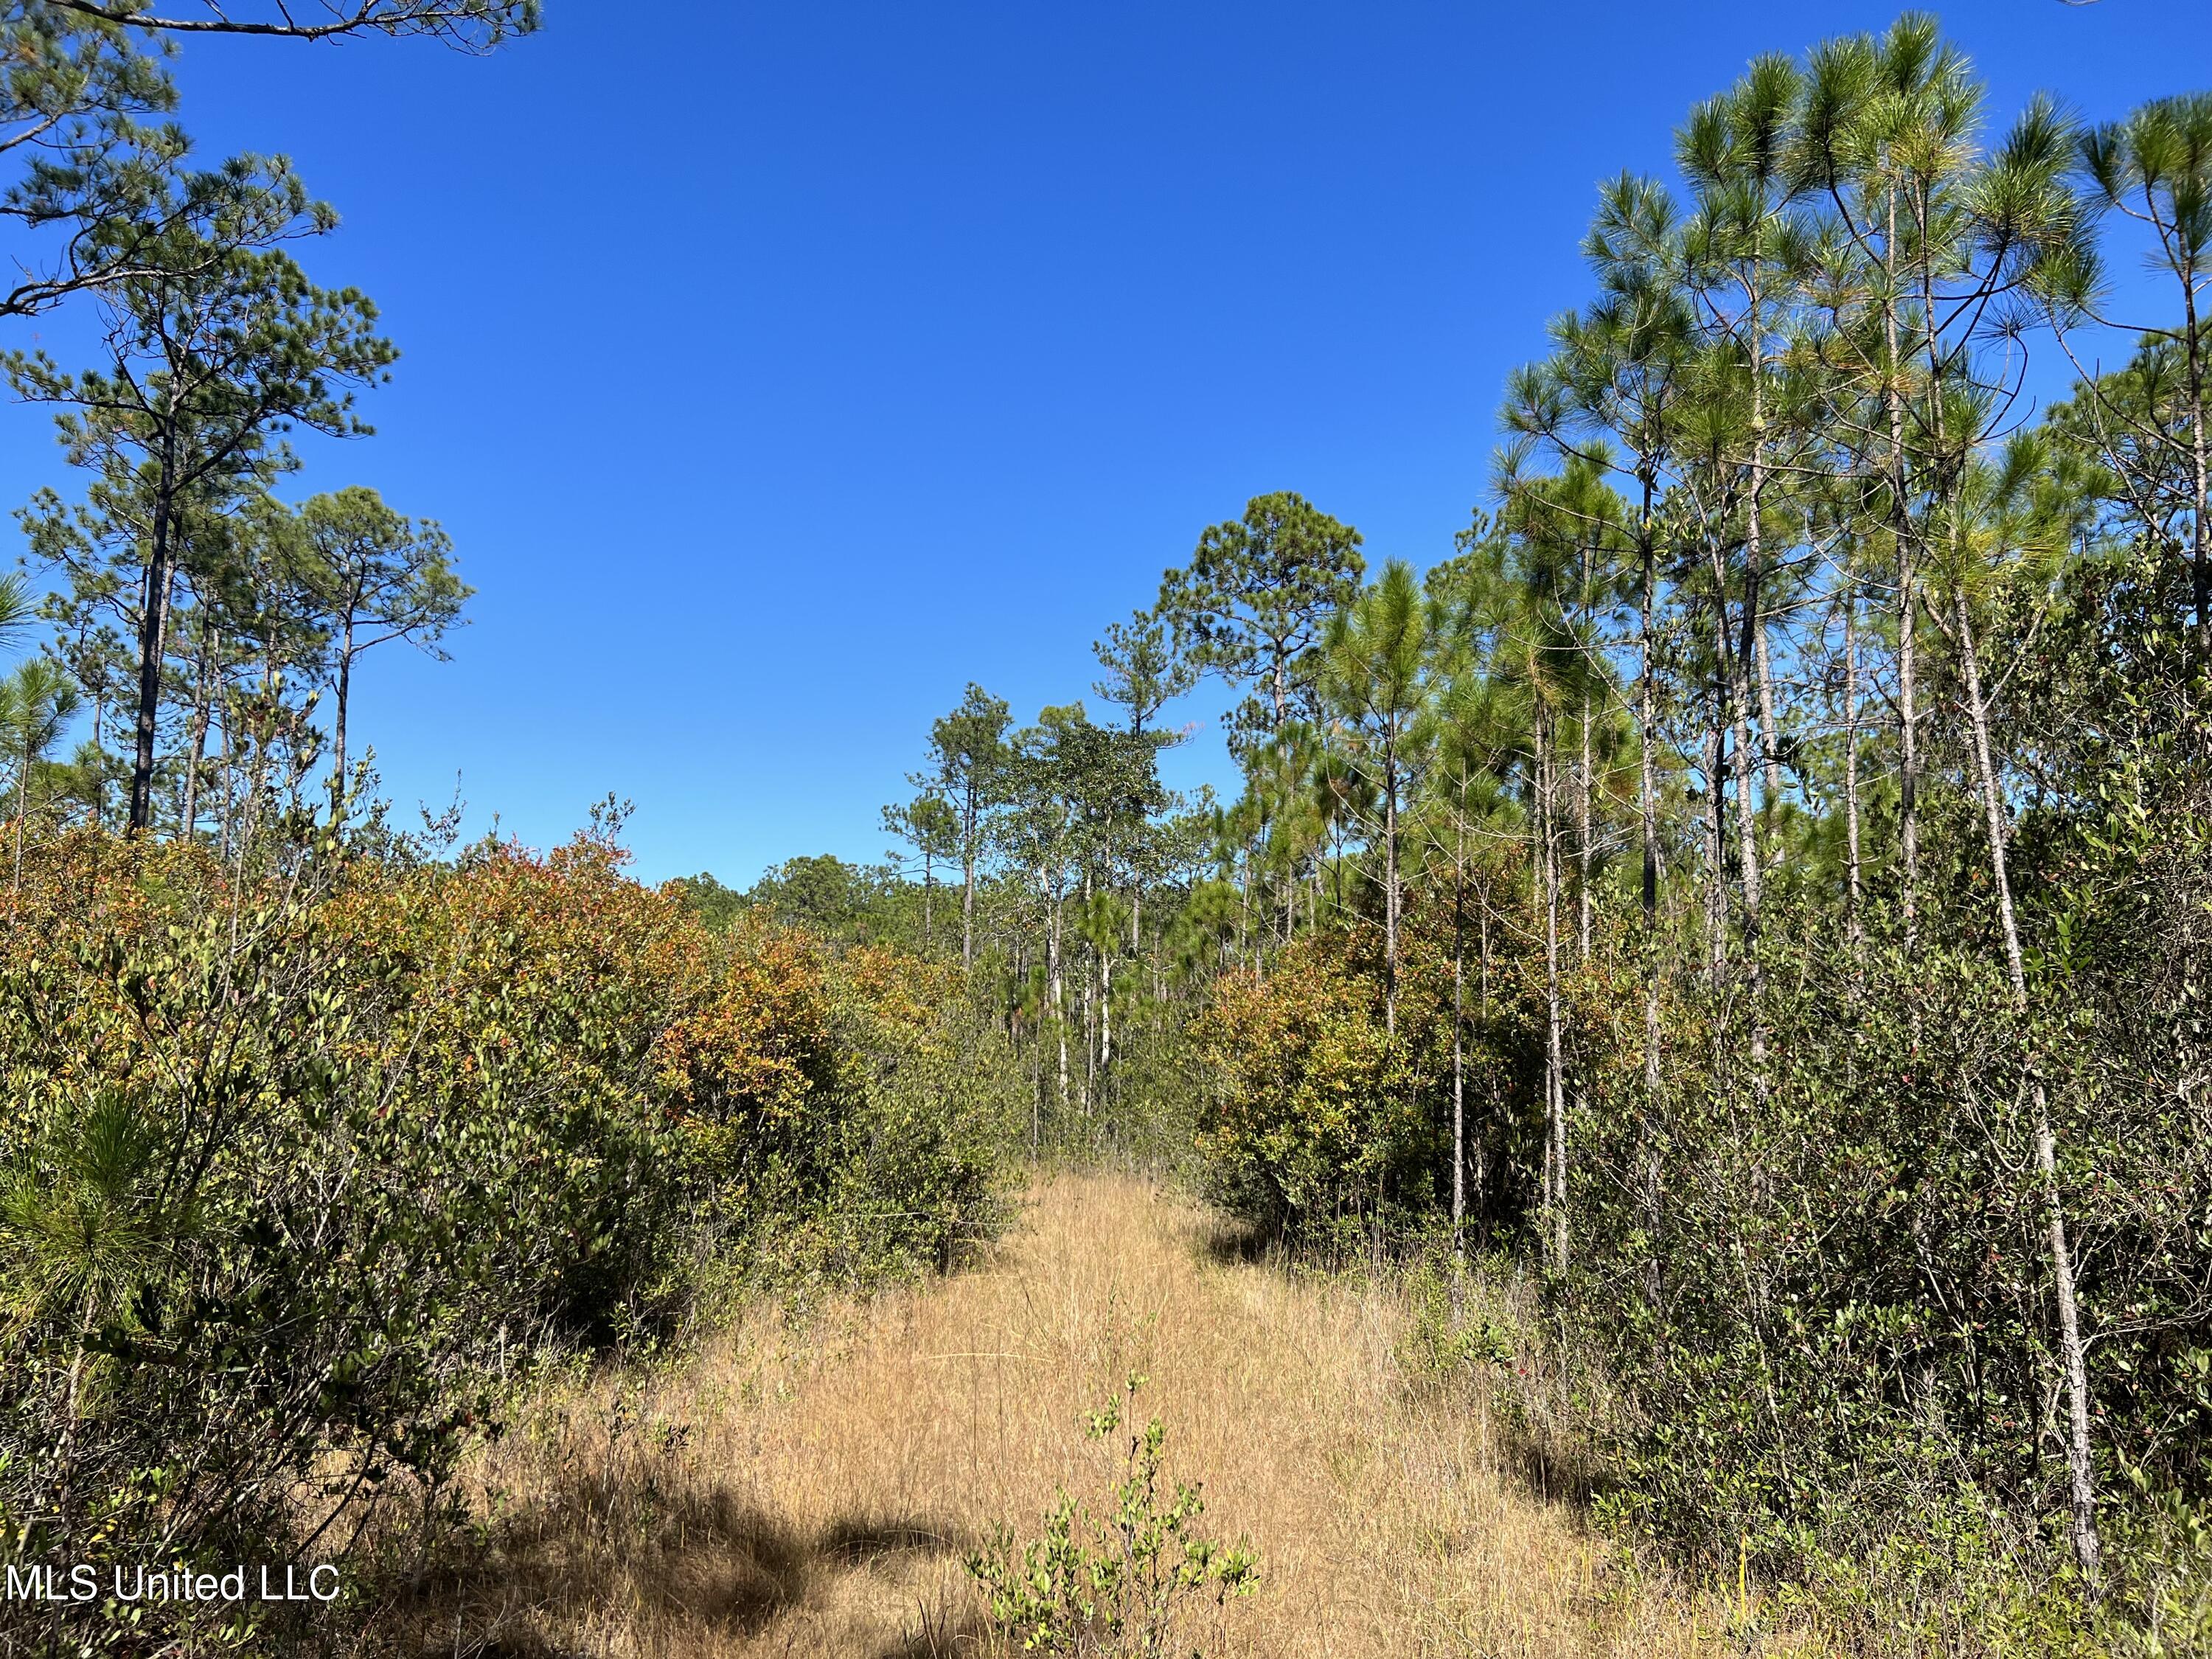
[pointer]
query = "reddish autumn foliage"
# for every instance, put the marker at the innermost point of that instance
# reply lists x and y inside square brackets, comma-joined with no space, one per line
[300,1158]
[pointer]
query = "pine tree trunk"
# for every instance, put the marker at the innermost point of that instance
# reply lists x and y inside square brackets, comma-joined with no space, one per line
[202,697]
[1105,1010]
[1715,768]
[1747,792]
[338,719]
[1459,1050]
[1747,812]
[1769,749]
[1390,896]
[2080,1467]
[1901,515]
[1059,1005]
[1554,1062]
[1746,821]
[22,808]
[969,816]
[100,758]
[153,644]
[258,791]
[1647,720]
[1584,785]
[2200,572]
[1647,809]
[228,829]
[1908,777]
[1855,920]
[1089,1017]
[1907,652]
[1480,1196]
[1751,654]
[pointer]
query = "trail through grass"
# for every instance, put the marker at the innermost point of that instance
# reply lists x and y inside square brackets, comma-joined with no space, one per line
[813,1493]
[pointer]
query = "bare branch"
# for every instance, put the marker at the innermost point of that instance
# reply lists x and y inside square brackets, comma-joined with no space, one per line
[473,25]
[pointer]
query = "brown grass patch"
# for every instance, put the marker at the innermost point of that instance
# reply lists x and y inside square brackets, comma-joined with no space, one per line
[812,1492]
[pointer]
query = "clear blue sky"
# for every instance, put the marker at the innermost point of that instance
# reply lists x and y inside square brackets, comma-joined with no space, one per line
[777,369]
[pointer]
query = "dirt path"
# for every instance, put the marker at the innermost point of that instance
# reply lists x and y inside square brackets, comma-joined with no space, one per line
[775,1498]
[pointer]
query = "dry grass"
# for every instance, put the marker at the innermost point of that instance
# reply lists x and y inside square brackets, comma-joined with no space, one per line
[813,1493]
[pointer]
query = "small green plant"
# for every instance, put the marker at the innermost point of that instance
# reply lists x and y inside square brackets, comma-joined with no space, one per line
[1118,1584]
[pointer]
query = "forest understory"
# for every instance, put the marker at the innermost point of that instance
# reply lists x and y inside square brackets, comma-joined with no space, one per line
[813,1486]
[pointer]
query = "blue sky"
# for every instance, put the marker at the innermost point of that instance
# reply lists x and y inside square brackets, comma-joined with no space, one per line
[777,369]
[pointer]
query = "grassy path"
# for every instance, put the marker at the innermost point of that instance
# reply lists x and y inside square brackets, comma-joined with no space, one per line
[783,1497]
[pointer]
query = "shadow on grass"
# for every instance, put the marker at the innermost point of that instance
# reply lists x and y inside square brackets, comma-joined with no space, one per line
[694,1560]
[863,1543]
[1538,1441]
[1231,1243]
[1328,1250]
[1554,1468]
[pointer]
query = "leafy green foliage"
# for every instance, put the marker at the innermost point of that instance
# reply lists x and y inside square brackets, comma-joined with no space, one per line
[1119,1582]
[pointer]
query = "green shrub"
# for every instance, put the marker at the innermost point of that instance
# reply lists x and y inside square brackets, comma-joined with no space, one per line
[1120,1582]
[298,1166]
